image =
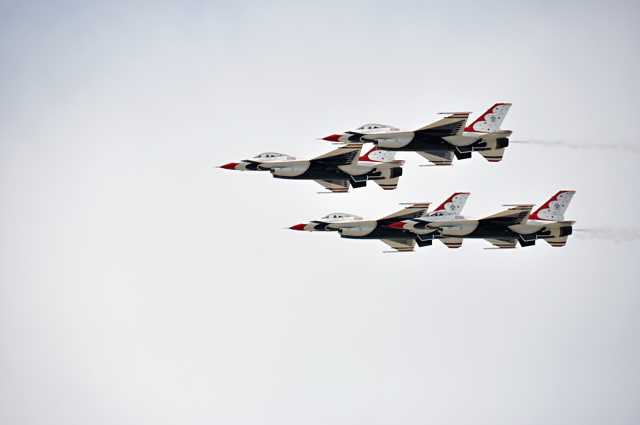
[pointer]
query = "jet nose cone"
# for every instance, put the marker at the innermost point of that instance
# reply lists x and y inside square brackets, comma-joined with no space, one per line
[332,138]
[398,225]
[230,166]
[300,226]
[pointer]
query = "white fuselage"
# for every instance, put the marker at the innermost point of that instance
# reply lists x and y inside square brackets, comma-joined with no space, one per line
[348,224]
[461,226]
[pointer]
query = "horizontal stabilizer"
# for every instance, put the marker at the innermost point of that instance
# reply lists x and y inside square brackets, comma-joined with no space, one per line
[557,242]
[452,242]
[388,184]
[494,155]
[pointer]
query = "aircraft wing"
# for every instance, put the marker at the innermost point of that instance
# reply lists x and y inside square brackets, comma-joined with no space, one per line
[336,186]
[407,213]
[345,155]
[514,215]
[453,125]
[438,157]
[400,245]
[279,164]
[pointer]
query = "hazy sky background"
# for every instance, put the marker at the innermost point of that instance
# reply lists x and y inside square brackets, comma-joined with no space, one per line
[141,285]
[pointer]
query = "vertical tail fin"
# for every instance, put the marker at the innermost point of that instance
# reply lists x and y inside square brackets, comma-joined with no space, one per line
[454,204]
[490,121]
[554,208]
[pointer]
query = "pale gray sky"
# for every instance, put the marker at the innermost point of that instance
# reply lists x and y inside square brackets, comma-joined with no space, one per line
[141,285]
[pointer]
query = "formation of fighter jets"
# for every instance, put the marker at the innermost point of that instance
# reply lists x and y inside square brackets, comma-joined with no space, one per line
[342,168]
[439,143]
[415,226]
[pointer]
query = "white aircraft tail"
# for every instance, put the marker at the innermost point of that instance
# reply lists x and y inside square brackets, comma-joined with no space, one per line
[454,204]
[490,121]
[376,155]
[554,208]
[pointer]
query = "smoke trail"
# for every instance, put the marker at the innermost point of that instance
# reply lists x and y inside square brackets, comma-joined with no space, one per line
[605,233]
[583,145]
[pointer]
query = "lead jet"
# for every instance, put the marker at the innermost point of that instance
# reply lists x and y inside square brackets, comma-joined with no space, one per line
[504,229]
[440,141]
[355,227]
[335,170]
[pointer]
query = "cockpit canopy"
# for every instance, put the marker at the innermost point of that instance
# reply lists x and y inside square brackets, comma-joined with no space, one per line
[441,213]
[337,216]
[271,155]
[373,127]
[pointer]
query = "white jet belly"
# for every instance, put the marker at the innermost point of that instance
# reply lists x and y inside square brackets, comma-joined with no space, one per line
[361,228]
[290,169]
[391,140]
[456,228]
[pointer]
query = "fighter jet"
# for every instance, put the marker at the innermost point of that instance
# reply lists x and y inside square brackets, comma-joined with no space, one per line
[504,229]
[440,141]
[355,227]
[335,170]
